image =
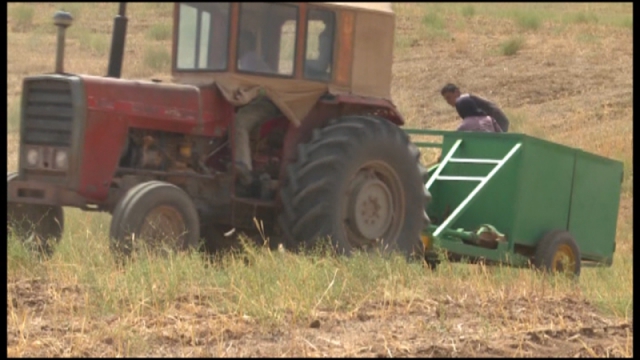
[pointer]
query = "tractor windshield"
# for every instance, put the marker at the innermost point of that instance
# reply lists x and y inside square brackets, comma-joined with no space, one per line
[203,36]
[267,38]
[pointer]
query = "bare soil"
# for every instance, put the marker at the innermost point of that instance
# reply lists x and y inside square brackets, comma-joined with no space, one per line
[435,327]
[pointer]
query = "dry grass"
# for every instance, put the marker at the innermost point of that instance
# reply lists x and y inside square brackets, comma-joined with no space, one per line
[23,18]
[561,87]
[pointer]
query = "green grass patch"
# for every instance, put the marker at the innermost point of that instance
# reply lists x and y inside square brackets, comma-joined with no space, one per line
[512,46]
[627,180]
[284,288]
[468,10]
[434,25]
[404,42]
[159,32]
[624,20]
[558,29]
[280,288]
[517,120]
[581,17]
[35,42]
[96,44]
[157,58]
[22,18]
[460,23]
[615,298]
[528,21]
[433,20]
[13,115]
[519,123]
[587,38]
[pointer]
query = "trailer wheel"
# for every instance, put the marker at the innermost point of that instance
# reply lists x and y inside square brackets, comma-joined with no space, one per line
[158,215]
[558,252]
[356,182]
[39,227]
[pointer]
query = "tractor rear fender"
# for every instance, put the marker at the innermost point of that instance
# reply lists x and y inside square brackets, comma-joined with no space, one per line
[330,107]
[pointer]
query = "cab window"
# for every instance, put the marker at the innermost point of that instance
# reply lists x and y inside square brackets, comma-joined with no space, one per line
[203,36]
[267,38]
[319,45]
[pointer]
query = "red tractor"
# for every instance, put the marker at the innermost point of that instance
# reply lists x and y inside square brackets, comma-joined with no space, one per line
[332,164]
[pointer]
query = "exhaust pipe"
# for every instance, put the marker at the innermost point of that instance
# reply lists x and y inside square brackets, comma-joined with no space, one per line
[117,42]
[62,20]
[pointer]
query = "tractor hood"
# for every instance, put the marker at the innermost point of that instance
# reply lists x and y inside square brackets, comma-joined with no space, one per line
[159,106]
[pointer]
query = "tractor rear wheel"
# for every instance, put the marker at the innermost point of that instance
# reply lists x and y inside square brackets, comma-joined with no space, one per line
[558,252]
[157,215]
[357,182]
[39,227]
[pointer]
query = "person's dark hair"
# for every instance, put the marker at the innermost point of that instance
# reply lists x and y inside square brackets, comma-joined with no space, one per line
[466,107]
[449,88]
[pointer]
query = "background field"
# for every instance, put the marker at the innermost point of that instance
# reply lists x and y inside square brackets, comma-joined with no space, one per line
[562,72]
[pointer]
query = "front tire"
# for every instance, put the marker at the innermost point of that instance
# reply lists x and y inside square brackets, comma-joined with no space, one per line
[358,183]
[155,214]
[39,227]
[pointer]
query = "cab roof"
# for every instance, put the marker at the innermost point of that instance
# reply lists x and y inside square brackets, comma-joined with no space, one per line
[384,7]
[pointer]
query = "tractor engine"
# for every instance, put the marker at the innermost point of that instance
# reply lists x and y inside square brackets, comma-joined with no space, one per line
[175,152]
[152,150]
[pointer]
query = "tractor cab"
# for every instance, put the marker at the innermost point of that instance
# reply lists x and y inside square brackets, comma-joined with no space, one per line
[293,52]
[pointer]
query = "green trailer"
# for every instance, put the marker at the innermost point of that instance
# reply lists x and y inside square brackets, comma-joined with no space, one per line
[519,200]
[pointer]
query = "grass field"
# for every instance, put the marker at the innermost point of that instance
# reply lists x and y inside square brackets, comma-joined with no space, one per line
[562,72]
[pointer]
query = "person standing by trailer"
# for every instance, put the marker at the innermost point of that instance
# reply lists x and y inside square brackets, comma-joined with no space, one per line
[451,93]
[474,118]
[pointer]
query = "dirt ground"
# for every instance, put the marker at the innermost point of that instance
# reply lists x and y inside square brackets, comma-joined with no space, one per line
[435,327]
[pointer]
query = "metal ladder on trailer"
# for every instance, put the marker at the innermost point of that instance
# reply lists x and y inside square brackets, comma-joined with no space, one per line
[483,180]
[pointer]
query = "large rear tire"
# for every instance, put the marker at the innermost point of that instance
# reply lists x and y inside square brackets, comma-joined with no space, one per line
[358,183]
[157,215]
[39,227]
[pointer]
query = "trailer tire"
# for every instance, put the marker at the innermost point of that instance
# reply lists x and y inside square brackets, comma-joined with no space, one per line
[555,250]
[39,227]
[133,217]
[351,158]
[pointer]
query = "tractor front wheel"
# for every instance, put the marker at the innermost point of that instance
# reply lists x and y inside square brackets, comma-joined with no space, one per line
[39,227]
[358,183]
[156,215]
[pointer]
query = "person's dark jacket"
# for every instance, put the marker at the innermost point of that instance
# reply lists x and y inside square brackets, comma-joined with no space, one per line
[473,117]
[491,109]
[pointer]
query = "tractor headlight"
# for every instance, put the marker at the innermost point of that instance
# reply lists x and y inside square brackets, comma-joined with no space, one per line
[61,160]
[33,157]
